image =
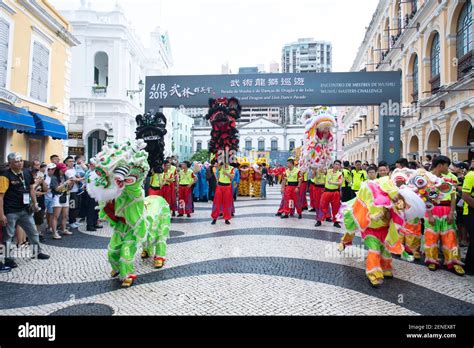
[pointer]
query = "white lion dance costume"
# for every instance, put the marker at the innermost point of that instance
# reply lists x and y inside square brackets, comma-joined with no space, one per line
[116,184]
[318,142]
[316,154]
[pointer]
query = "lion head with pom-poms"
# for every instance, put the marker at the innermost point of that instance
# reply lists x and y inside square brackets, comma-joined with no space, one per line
[318,139]
[223,115]
[152,129]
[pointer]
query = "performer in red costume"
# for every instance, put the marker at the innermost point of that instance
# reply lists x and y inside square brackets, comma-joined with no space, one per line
[223,199]
[168,186]
[186,180]
[290,188]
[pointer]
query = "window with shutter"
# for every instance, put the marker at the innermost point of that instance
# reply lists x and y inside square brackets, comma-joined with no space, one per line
[39,73]
[4,37]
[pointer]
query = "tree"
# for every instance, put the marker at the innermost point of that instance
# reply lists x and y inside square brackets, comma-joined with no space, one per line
[200,156]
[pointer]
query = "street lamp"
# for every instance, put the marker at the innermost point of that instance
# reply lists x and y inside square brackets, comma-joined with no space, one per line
[139,90]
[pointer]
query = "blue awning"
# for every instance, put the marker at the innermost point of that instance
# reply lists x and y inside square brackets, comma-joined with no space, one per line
[49,127]
[12,117]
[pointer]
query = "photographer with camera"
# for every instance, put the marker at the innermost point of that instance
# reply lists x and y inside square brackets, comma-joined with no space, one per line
[17,205]
[60,187]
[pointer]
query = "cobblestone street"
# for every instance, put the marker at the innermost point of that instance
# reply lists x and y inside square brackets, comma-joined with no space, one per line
[258,265]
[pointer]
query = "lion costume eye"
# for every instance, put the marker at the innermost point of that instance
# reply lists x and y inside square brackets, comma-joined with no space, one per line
[420,182]
[130,180]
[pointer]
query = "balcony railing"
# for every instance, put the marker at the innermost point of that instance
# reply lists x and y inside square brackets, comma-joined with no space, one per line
[435,83]
[465,64]
[99,91]
[414,97]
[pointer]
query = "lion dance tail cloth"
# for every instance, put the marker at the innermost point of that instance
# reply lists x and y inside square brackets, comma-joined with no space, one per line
[379,210]
[116,184]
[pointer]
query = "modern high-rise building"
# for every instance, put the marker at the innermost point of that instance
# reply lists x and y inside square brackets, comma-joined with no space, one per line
[250,113]
[307,55]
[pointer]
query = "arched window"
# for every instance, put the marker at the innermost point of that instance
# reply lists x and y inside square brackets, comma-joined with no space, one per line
[464,30]
[199,146]
[415,79]
[435,53]
[101,69]
[464,40]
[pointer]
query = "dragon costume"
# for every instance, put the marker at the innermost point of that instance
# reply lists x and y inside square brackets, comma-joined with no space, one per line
[116,184]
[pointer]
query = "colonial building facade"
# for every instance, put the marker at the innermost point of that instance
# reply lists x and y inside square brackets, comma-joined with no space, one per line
[430,43]
[108,77]
[35,67]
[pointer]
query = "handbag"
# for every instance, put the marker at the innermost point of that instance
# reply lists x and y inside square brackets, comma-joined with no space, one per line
[62,199]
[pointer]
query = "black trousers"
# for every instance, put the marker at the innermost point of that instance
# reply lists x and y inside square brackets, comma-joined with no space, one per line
[346,194]
[92,215]
[74,206]
[469,224]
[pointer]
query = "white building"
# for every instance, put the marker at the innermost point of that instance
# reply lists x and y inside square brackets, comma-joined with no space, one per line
[260,135]
[108,72]
[304,56]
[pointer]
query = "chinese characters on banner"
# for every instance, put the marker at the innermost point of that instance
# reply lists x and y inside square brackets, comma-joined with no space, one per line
[160,91]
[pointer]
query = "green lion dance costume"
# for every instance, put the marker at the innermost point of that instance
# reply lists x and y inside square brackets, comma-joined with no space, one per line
[116,184]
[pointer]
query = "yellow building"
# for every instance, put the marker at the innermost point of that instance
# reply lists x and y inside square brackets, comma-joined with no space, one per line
[35,44]
[431,43]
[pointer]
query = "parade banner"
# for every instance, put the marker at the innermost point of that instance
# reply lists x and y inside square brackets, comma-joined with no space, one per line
[303,89]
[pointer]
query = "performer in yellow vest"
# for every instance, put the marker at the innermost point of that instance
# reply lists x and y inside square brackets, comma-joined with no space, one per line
[186,180]
[331,195]
[223,198]
[302,201]
[316,190]
[290,188]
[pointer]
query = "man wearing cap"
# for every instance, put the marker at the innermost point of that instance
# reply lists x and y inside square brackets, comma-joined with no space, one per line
[290,188]
[17,191]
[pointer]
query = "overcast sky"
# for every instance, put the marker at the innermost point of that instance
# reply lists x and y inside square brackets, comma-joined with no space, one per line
[204,34]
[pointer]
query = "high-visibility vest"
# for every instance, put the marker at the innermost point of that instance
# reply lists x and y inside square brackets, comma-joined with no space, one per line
[319,178]
[224,179]
[347,178]
[155,180]
[357,178]
[292,175]
[186,177]
[332,177]
[305,177]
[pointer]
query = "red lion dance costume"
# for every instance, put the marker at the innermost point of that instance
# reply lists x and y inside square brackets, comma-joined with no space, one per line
[223,114]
